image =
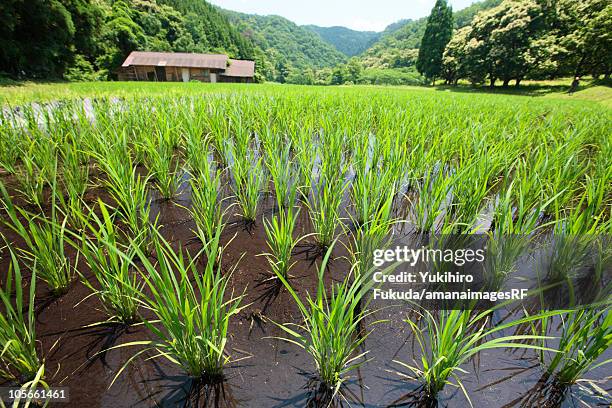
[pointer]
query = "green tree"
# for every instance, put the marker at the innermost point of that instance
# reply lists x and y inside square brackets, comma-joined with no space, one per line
[339,75]
[516,24]
[438,33]
[283,71]
[353,70]
[586,37]
[454,58]
[34,38]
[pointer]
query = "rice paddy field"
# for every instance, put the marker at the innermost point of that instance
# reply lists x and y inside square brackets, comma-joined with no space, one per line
[213,247]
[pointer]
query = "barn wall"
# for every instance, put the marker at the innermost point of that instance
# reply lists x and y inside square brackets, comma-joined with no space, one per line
[174,74]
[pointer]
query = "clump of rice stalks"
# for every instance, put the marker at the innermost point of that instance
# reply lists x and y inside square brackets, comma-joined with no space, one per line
[19,359]
[11,139]
[248,183]
[305,157]
[324,208]
[371,184]
[469,190]
[502,253]
[129,190]
[160,161]
[332,327]
[452,338]
[585,336]
[37,170]
[574,238]
[432,194]
[513,225]
[45,240]
[327,193]
[75,180]
[206,207]
[279,232]
[280,167]
[118,286]
[197,146]
[192,311]
[372,235]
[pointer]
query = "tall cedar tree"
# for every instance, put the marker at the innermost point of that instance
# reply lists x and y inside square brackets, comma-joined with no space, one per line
[438,33]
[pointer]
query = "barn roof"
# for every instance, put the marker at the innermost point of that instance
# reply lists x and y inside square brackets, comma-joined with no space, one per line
[240,68]
[176,59]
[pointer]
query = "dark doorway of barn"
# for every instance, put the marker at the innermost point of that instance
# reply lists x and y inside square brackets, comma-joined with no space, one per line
[160,72]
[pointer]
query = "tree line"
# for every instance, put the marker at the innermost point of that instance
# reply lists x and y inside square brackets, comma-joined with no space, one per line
[519,39]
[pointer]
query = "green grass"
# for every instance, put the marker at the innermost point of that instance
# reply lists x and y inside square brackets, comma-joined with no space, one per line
[32,91]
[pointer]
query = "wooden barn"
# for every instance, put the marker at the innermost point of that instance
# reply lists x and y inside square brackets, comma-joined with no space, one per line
[185,67]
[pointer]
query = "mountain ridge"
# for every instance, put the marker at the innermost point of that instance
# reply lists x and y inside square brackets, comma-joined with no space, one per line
[346,40]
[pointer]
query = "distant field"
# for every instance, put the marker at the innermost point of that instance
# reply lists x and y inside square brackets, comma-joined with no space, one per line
[30,91]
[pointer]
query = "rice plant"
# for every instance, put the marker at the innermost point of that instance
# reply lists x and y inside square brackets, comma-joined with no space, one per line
[279,233]
[451,338]
[75,180]
[369,190]
[502,254]
[324,209]
[432,195]
[248,184]
[584,337]
[305,157]
[36,170]
[206,204]
[196,145]
[192,308]
[117,286]
[373,235]
[280,167]
[372,181]
[164,168]
[512,230]
[11,139]
[19,359]
[45,240]
[129,190]
[469,190]
[331,331]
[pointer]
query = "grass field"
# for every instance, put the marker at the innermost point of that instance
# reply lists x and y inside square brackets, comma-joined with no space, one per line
[165,232]
[18,92]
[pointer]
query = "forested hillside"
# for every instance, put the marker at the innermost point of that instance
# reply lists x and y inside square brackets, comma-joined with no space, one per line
[399,48]
[288,47]
[88,39]
[492,40]
[347,41]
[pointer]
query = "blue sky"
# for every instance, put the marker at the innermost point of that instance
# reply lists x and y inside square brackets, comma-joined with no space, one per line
[355,14]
